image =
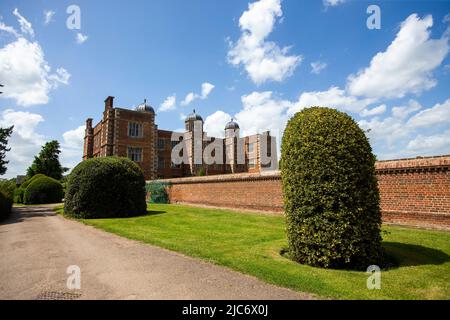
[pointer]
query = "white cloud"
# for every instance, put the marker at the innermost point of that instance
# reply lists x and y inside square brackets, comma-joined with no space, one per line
[334,97]
[189,98]
[374,111]
[72,147]
[404,111]
[434,144]
[25,142]
[437,115]
[26,75]
[397,136]
[263,60]
[9,29]
[25,25]
[262,111]
[333,3]
[48,16]
[206,89]
[317,67]
[168,104]
[407,64]
[81,38]
[215,124]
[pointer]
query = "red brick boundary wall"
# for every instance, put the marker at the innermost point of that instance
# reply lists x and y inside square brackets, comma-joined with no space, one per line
[413,192]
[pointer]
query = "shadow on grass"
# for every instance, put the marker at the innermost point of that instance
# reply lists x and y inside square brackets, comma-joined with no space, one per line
[398,255]
[408,255]
[152,213]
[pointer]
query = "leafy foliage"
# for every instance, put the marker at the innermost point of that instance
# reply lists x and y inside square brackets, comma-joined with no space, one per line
[5,133]
[105,187]
[8,187]
[47,162]
[331,197]
[158,193]
[42,190]
[20,192]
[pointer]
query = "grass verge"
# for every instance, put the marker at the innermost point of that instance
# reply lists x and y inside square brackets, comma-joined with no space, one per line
[251,244]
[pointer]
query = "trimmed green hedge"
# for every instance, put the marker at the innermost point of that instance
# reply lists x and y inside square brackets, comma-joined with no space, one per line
[19,193]
[105,187]
[330,191]
[5,205]
[42,190]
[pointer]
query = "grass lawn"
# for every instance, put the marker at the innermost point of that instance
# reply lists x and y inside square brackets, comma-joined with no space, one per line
[251,243]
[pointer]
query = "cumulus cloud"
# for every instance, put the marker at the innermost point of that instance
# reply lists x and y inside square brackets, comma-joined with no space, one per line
[72,147]
[317,67]
[263,60]
[25,142]
[399,134]
[437,115]
[25,25]
[215,124]
[168,104]
[374,111]
[206,89]
[433,144]
[48,16]
[81,38]
[404,111]
[407,64]
[26,74]
[334,97]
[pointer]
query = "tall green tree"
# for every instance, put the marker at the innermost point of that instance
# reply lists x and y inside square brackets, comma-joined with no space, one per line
[47,162]
[5,133]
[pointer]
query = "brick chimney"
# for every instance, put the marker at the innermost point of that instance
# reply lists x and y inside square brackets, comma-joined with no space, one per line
[109,103]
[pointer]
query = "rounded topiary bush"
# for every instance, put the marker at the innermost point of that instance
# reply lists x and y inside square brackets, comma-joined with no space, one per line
[105,187]
[19,193]
[42,190]
[330,191]
[5,205]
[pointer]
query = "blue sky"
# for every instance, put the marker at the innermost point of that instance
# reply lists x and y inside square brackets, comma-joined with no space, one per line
[259,62]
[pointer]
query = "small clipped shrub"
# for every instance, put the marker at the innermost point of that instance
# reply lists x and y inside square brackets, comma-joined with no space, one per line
[105,187]
[157,191]
[20,192]
[42,190]
[331,197]
[5,205]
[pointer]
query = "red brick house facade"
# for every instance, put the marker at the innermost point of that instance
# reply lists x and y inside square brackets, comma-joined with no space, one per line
[134,134]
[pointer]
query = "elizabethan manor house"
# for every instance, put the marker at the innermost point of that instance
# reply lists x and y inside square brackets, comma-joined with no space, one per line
[134,134]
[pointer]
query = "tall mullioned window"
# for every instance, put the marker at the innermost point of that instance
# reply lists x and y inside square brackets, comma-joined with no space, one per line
[251,147]
[135,130]
[135,154]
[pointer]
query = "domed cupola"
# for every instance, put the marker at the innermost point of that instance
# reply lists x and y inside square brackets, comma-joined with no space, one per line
[232,125]
[193,117]
[145,107]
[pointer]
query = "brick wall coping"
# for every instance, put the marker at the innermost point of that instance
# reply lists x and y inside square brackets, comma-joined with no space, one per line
[414,164]
[399,165]
[264,175]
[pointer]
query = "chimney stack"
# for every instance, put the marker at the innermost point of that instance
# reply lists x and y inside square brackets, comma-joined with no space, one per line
[109,103]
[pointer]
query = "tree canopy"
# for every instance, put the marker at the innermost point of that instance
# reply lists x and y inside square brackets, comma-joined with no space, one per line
[47,162]
[5,133]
